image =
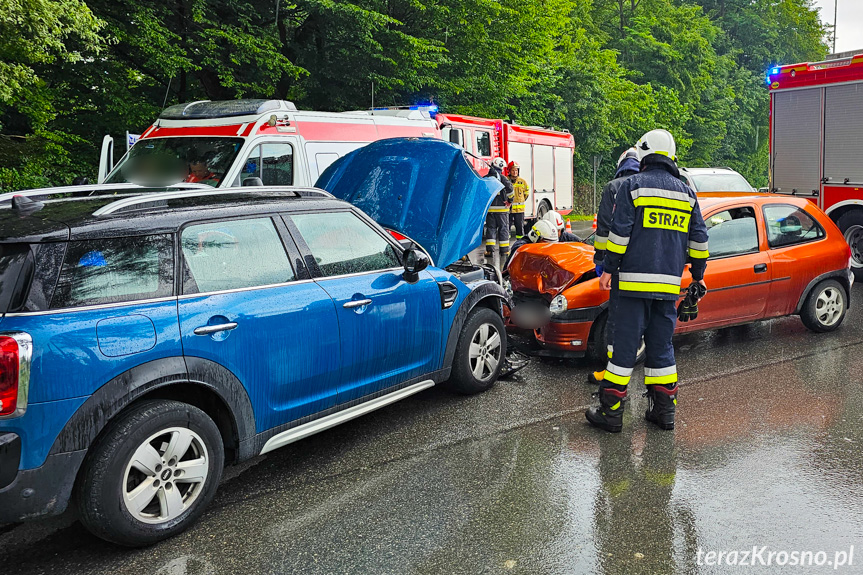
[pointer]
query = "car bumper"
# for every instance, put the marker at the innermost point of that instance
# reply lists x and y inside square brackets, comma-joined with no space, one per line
[30,493]
[568,333]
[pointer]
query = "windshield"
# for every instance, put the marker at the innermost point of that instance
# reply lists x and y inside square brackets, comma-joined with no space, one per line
[729,182]
[166,161]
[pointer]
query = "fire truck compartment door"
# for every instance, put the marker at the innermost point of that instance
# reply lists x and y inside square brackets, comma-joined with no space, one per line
[797,141]
[843,130]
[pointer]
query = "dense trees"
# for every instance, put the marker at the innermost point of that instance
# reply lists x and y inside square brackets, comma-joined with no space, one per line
[73,70]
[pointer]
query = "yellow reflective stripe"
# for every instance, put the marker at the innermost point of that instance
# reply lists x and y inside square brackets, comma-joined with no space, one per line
[609,354]
[703,254]
[654,202]
[518,205]
[600,244]
[617,379]
[504,244]
[615,406]
[660,379]
[498,209]
[616,248]
[490,242]
[649,287]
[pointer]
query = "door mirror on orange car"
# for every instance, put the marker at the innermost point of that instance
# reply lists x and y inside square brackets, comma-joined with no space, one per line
[415,261]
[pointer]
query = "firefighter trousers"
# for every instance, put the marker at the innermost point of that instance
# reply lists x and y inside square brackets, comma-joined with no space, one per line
[654,319]
[518,221]
[613,296]
[497,233]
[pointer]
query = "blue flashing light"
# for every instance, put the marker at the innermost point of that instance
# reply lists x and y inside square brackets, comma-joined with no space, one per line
[774,71]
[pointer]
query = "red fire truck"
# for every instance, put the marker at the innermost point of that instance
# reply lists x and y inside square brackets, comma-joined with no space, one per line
[229,143]
[816,131]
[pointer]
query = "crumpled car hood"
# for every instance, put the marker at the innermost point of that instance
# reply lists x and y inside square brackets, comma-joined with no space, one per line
[549,268]
[421,187]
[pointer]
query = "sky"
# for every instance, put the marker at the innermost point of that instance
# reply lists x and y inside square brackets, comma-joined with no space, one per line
[849,28]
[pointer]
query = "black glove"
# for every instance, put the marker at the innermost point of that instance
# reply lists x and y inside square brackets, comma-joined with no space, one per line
[688,308]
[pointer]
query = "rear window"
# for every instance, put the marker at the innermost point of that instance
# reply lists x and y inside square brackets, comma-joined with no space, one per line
[729,182]
[16,267]
[115,270]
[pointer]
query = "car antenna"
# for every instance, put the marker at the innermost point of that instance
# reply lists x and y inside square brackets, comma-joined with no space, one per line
[25,206]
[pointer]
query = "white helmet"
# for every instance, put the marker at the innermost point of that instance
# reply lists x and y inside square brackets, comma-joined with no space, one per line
[499,163]
[630,153]
[657,142]
[543,230]
[555,219]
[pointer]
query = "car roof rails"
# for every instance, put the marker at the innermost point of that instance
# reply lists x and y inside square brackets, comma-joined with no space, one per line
[160,199]
[97,190]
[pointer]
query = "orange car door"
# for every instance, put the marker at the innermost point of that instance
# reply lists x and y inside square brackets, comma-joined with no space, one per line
[738,272]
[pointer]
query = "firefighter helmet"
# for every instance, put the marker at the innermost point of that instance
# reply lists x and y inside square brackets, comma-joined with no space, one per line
[554,219]
[499,163]
[513,165]
[630,153]
[657,142]
[542,230]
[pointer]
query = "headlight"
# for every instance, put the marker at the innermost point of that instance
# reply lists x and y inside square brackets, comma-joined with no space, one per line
[558,304]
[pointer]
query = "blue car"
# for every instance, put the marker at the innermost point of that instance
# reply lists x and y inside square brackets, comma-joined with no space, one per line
[147,340]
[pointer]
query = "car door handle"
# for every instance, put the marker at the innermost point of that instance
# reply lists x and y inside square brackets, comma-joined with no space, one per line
[760,268]
[211,329]
[356,303]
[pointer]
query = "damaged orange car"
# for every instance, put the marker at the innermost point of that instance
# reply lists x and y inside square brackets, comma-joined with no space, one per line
[770,256]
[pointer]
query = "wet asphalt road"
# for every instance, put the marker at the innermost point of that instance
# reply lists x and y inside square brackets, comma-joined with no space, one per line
[766,453]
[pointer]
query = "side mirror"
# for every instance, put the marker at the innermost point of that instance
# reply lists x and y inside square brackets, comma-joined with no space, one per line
[415,261]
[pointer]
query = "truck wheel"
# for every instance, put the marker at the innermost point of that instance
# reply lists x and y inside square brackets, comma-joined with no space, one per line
[825,307]
[851,224]
[150,474]
[597,349]
[543,209]
[480,352]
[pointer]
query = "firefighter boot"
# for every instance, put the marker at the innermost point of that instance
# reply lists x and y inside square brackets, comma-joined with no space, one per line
[608,415]
[661,405]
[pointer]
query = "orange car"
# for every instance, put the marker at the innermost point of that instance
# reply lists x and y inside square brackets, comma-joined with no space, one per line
[769,257]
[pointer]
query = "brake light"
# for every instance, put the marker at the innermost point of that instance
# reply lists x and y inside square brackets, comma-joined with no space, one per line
[14,373]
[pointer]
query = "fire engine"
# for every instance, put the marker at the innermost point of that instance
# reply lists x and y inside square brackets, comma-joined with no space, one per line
[816,127]
[271,142]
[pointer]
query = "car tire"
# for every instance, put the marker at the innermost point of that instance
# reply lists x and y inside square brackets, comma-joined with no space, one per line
[478,373]
[851,225]
[121,502]
[597,348]
[825,307]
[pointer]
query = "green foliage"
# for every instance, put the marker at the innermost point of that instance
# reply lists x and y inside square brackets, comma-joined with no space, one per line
[607,70]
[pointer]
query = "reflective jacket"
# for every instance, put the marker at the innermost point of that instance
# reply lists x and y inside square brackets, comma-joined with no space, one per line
[656,227]
[628,167]
[506,194]
[521,191]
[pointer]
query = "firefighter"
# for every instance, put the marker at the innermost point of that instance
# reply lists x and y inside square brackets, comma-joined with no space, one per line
[557,221]
[656,224]
[521,191]
[542,231]
[497,219]
[627,165]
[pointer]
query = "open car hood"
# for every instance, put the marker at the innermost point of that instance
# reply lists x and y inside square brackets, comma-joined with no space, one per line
[421,187]
[549,268]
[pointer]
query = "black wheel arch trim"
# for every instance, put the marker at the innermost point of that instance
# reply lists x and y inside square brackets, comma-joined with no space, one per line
[840,275]
[95,413]
[484,291]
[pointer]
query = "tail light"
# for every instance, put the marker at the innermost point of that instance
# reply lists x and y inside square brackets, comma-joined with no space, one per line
[15,352]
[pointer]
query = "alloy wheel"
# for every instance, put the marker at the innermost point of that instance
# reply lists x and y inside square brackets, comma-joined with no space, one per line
[485,348]
[829,306]
[165,475]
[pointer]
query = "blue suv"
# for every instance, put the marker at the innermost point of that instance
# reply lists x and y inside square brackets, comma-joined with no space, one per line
[147,340]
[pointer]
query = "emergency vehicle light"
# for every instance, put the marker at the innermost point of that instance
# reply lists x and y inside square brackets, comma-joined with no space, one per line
[774,71]
[207,109]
